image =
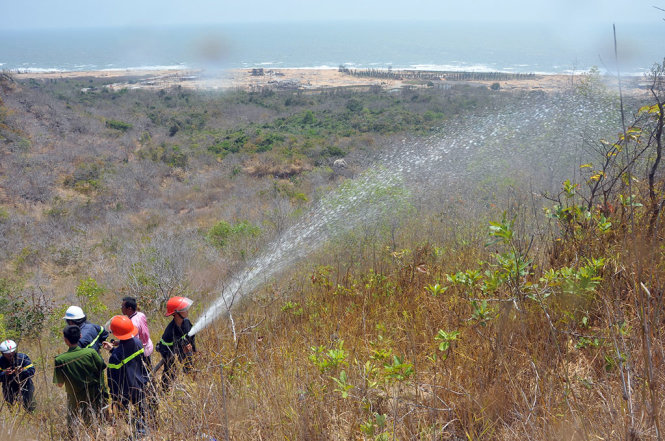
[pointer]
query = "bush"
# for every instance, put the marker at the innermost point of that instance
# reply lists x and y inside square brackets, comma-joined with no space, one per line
[89,294]
[85,177]
[118,125]
[220,234]
[333,150]
[354,105]
[170,155]
[24,311]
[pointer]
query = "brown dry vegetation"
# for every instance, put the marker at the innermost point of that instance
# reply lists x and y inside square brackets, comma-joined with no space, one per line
[442,329]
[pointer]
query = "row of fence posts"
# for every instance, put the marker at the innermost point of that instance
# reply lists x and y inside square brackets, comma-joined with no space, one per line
[390,74]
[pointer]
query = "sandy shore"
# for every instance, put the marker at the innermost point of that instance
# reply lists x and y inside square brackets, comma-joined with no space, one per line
[296,79]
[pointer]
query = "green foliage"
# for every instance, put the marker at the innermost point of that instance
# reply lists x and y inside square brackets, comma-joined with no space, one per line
[308,118]
[468,278]
[169,154]
[232,142]
[222,232]
[587,342]
[334,151]
[502,231]
[436,289]
[118,125]
[343,387]
[85,178]
[482,312]
[354,105]
[24,311]
[398,370]
[374,424]
[446,338]
[582,280]
[314,132]
[292,308]
[89,294]
[329,360]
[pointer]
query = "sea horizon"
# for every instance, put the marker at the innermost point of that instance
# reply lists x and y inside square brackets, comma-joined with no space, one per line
[423,45]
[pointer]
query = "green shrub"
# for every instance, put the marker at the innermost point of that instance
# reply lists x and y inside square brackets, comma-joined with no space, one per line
[169,154]
[333,150]
[24,311]
[354,105]
[89,294]
[118,125]
[222,232]
[85,178]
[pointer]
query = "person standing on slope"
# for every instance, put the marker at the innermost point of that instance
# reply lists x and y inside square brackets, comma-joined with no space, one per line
[16,372]
[129,308]
[92,336]
[127,373]
[175,342]
[81,372]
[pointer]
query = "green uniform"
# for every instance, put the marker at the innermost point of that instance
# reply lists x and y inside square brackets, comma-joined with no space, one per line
[82,372]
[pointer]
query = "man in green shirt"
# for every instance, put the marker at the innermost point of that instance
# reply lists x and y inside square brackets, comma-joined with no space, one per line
[81,371]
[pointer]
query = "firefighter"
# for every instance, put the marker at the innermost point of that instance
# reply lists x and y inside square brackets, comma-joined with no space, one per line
[16,372]
[92,336]
[127,373]
[175,342]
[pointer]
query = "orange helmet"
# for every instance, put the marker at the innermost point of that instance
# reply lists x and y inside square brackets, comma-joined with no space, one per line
[177,304]
[123,328]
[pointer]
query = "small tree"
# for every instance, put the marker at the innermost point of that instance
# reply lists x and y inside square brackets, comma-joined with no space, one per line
[89,294]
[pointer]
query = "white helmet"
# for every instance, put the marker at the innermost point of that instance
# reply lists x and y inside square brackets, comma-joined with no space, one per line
[7,346]
[74,313]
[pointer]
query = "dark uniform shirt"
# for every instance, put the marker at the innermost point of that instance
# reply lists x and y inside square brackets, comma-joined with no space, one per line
[20,380]
[92,336]
[175,339]
[127,374]
[82,372]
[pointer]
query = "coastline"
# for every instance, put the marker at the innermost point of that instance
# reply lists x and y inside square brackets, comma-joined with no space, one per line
[306,79]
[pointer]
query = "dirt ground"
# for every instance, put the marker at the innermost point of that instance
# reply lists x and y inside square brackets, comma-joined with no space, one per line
[245,79]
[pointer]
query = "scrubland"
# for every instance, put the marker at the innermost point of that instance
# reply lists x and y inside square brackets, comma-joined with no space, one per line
[520,299]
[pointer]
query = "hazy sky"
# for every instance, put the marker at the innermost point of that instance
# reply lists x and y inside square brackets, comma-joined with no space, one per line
[30,14]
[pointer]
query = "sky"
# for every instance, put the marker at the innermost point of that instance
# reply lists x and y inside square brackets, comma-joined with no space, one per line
[50,14]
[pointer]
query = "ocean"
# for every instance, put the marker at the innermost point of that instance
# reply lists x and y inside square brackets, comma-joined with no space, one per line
[504,47]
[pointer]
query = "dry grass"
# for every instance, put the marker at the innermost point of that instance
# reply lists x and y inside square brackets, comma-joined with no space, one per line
[522,374]
[266,167]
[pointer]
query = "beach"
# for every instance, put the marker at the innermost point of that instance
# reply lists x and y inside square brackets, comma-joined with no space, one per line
[311,79]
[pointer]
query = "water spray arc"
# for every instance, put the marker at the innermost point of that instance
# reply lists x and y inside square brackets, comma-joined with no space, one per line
[464,149]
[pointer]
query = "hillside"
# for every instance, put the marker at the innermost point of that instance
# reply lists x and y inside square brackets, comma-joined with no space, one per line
[483,264]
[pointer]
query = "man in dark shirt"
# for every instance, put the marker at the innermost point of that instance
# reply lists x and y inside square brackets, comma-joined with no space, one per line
[92,336]
[127,372]
[16,372]
[81,371]
[175,342]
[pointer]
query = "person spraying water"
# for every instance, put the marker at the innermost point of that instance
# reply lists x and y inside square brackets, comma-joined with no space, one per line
[176,341]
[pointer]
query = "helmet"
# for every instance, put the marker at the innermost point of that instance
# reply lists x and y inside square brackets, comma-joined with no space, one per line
[74,313]
[177,304]
[123,328]
[7,346]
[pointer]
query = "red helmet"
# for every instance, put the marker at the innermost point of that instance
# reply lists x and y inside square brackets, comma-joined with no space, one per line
[177,304]
[123,328]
